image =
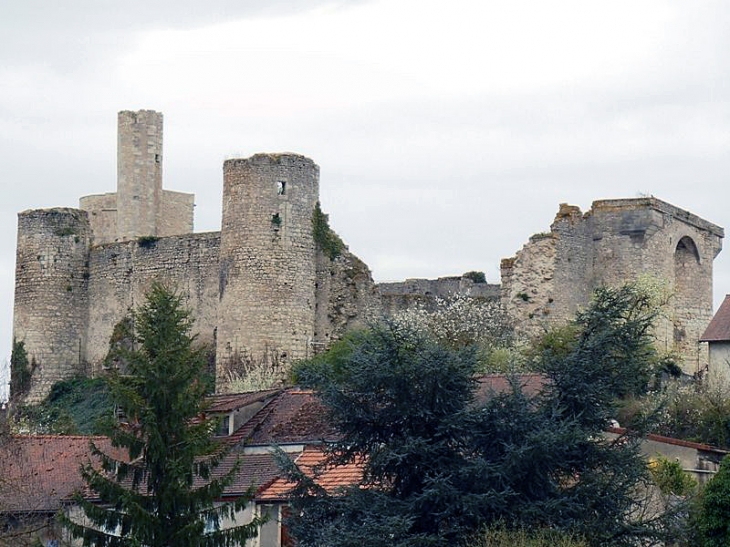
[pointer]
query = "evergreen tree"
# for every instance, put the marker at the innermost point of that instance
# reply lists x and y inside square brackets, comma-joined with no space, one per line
[439,465]
[165,492]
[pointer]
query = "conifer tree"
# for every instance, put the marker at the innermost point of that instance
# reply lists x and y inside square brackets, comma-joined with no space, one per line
[164,492]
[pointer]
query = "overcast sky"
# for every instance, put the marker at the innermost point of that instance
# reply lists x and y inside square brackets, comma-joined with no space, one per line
[446,132]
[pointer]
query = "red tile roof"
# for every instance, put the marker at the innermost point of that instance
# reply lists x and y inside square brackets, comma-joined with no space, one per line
[672,441]
[496,384]
[311,462]
[228,402]
[38,472]
[719,328]
[294,416]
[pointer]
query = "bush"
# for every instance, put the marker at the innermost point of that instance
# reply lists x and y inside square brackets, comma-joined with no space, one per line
[670,477]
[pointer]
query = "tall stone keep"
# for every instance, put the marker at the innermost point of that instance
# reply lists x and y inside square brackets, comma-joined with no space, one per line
[267,272]
[139,172]
[140,207]
[51,300]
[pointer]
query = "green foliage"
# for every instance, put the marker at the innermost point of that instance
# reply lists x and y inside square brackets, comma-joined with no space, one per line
[714,518]
[153,496]
[78,406]
[324,237]
[66,231]
[440,466]
[611,357]
[21,370]
[670,477]
[697,411]
[475,276]
[501,536]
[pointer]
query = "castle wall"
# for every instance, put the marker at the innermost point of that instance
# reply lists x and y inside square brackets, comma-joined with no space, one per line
[267,260]
[175,215]
[411,293]
[121,274]
[345,296]
[51,303]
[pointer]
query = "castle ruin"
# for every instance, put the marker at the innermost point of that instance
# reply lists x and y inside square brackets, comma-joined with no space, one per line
[262,288]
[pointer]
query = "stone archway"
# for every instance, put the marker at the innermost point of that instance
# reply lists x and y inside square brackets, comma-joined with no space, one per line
[687,283]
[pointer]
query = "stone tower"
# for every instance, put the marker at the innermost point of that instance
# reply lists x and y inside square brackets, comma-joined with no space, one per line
[51,300]
[139,173]
[618,241]
[267,259]
[140,207]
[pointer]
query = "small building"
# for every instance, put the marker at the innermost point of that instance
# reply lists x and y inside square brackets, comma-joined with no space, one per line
[717,336]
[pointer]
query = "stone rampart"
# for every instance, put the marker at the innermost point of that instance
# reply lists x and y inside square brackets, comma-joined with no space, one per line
[402,295]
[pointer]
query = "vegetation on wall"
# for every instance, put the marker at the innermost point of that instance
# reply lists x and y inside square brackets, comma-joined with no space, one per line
[21,370]
[78,406]
[476,277]
[324,237]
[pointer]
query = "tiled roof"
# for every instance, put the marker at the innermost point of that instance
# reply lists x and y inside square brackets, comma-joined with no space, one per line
[254,470]
[227,402]
[310,461]
[719,328]
[496,384]
[38,472]
[672,441]
[294,416]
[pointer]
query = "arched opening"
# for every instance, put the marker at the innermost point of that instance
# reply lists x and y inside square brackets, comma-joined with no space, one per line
[687,284]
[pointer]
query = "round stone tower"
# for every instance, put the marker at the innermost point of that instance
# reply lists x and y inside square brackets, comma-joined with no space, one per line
[51,300]
[267,261]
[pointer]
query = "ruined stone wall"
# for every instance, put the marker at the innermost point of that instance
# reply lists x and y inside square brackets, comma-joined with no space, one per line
[528,288]
[51,304]
[345,297]
[267,261]
[415,293]
[120,275]
[618,241]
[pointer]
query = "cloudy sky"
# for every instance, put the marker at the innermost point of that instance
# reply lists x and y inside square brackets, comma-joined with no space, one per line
[446,132]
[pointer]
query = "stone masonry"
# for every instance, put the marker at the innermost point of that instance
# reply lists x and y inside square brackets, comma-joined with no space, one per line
[261,290]
[617,241]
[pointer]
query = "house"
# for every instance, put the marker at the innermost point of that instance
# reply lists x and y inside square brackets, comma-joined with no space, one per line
[38,475]
[717,336]
[252,424]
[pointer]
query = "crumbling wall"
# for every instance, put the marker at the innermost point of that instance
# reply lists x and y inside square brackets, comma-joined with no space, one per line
[345,297]
[615,242]
[422,293]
